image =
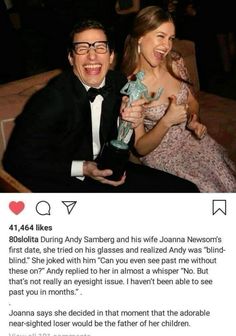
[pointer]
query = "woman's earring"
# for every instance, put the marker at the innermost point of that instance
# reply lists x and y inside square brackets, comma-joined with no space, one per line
[139,49]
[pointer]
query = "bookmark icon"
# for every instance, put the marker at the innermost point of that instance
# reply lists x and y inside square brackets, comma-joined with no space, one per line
[219,206]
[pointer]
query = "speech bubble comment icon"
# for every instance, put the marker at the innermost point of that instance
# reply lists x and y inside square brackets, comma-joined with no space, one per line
[43,208]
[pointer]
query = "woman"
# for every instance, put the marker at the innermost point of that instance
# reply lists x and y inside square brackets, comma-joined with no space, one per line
[172,138]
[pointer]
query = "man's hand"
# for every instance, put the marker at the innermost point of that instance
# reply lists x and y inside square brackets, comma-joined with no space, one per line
[90,170]
[195,126]
[133,112]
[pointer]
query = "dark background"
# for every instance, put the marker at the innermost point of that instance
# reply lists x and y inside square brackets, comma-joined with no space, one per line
[33,36]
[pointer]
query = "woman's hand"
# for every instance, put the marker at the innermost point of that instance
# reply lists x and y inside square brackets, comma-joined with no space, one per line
[175,114]
[195,126]
[90,170]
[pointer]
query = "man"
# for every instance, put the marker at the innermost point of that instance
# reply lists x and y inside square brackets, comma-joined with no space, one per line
[59,134]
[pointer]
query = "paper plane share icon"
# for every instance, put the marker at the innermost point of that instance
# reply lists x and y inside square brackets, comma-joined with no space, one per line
[69,205]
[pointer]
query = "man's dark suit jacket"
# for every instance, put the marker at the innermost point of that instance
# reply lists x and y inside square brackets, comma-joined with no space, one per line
[55,128]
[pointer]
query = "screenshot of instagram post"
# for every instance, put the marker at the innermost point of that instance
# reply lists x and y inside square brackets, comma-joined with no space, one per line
[101,264]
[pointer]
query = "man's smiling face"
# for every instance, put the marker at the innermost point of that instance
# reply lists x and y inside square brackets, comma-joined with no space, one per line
[92,67]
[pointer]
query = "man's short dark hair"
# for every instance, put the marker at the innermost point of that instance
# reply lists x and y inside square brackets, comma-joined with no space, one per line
[86,25]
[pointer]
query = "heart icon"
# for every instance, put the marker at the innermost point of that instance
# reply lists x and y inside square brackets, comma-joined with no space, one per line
[16,207]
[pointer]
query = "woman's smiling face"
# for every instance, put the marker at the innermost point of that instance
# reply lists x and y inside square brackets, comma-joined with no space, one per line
[155,45]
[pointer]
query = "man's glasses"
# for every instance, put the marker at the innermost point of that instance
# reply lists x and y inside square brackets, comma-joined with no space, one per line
[82,48]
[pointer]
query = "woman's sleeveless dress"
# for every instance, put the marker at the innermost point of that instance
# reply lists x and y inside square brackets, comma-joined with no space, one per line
[204,162]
